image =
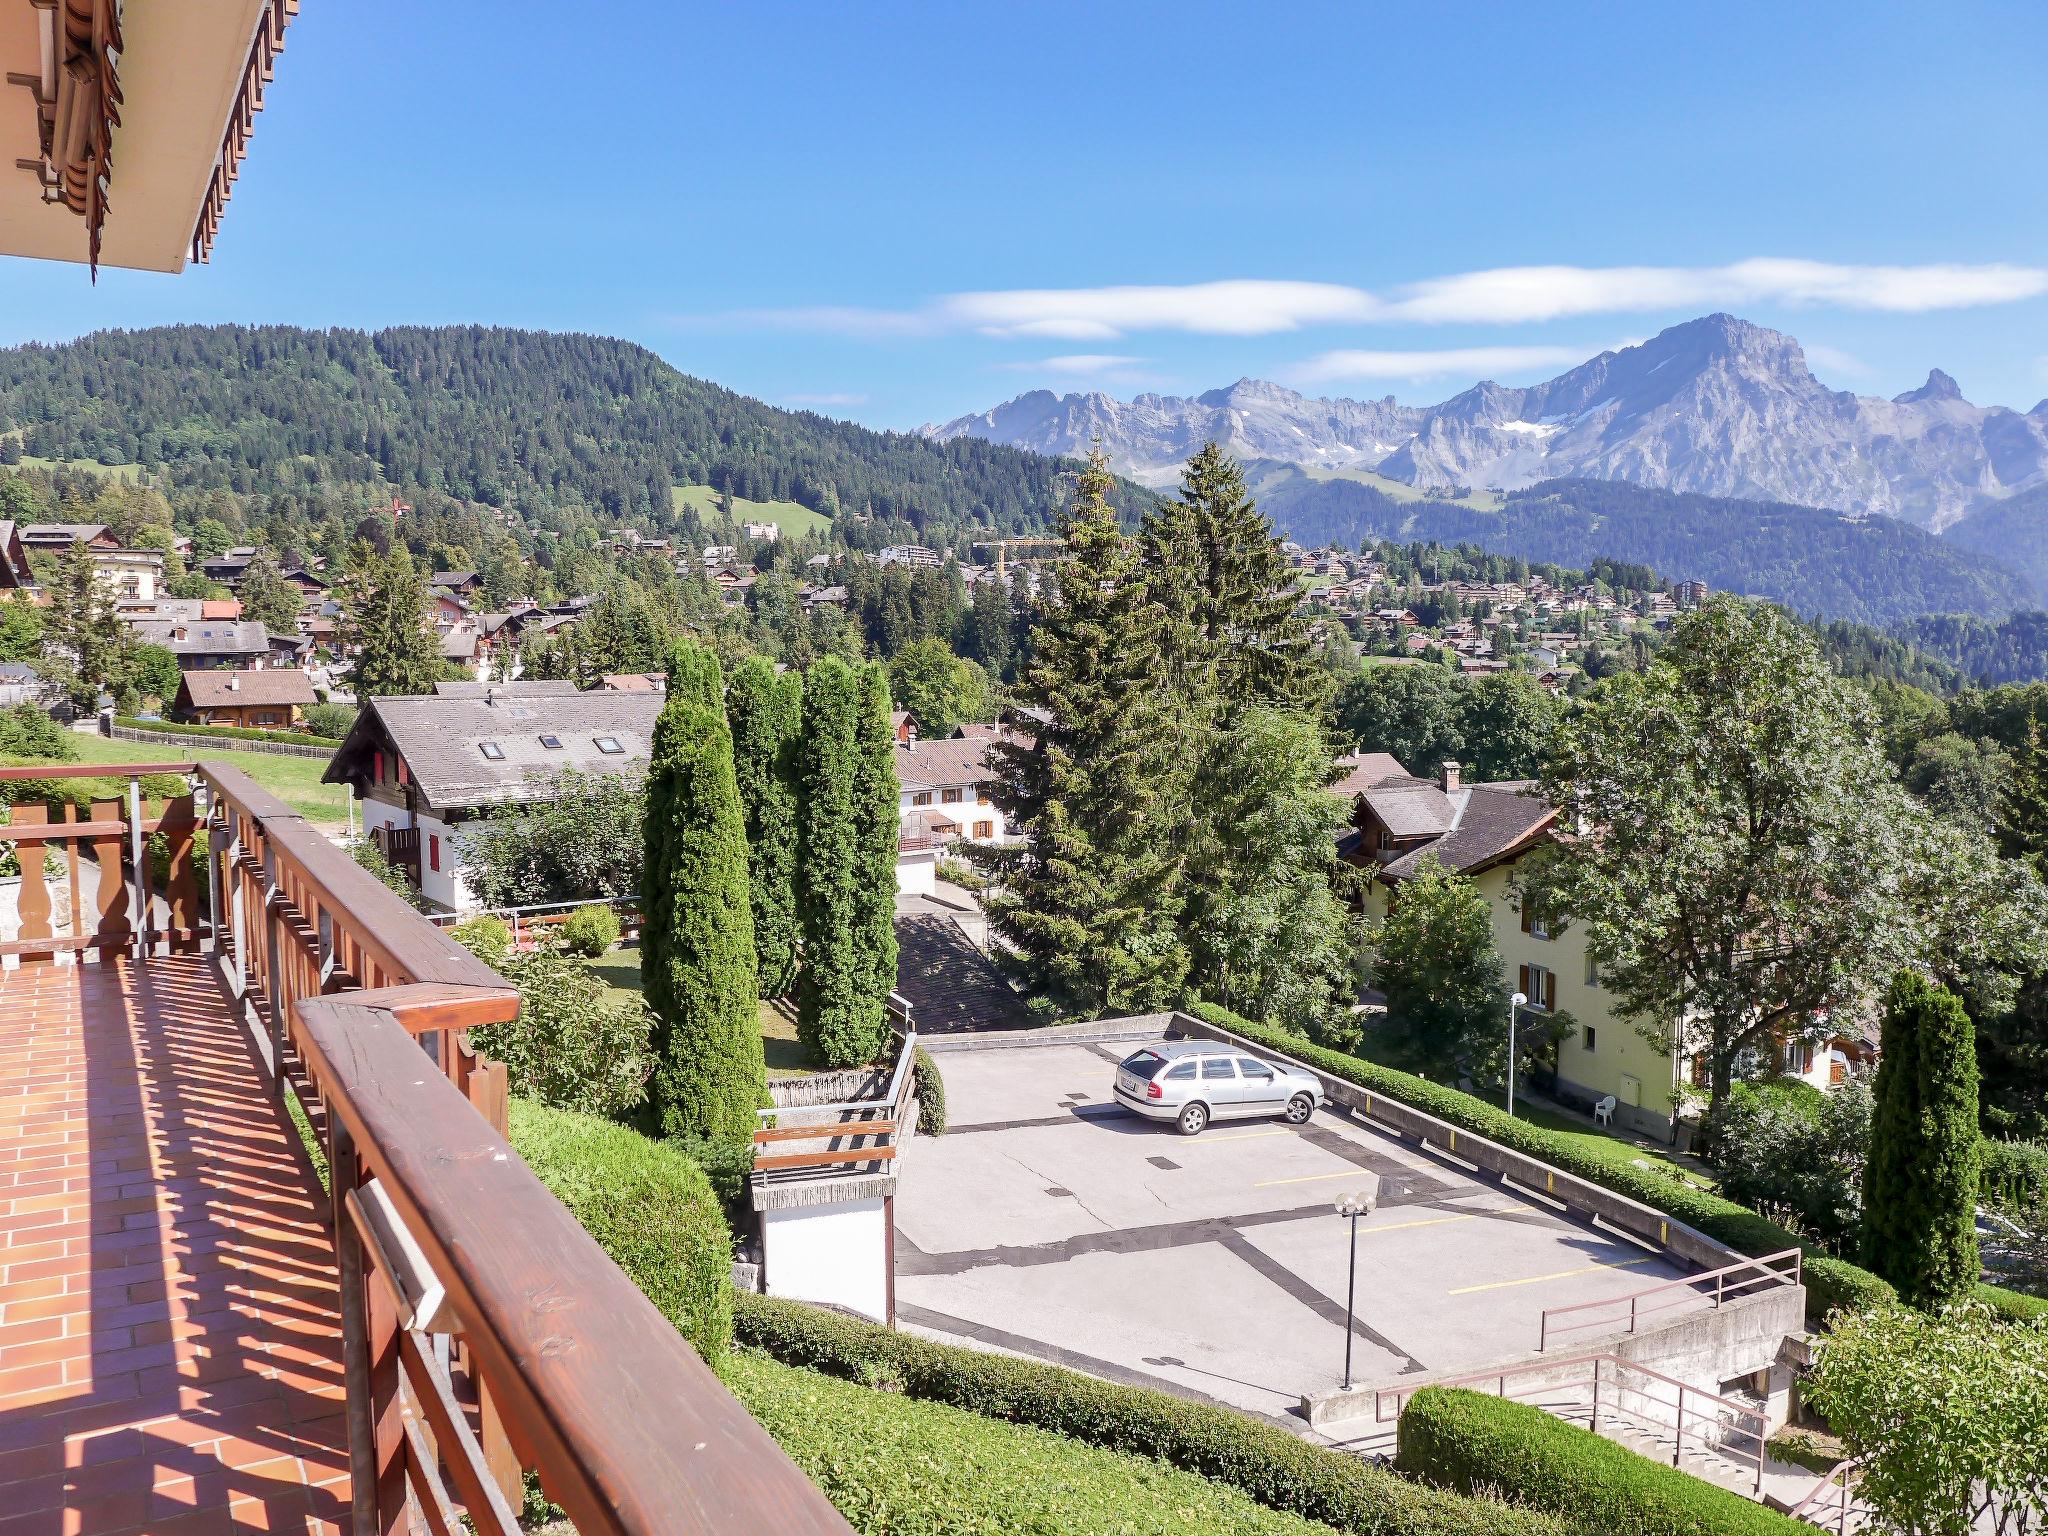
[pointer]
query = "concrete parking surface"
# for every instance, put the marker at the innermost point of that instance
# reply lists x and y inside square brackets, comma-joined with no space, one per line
[1050,1222]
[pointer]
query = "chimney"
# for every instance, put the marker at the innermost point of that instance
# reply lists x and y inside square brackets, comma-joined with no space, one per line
[234,685]
[1451,777]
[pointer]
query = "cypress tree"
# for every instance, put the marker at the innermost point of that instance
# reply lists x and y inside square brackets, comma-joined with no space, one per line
[837,1017]
[1920,1185]
[764,711]
[1090,901]
[697,950]
[875,825]
[1234,634]
[694,674]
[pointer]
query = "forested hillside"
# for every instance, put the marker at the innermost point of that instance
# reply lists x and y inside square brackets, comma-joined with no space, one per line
[2013,650]
[520,419]
[1815,562]
[2013,531]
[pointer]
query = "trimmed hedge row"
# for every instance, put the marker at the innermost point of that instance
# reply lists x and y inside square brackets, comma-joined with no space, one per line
[931,1094]
[1276,1468]
[224,732]
[1830,1282]
[1465,1440]
[923,1469]
[649,1207]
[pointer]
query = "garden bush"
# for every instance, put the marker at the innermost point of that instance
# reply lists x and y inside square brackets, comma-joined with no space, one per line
[648,1206]
[1466,1440]
[1278,1469]
[931,1093]
[484,936]
[225,732]
[2013,1178]
[923,1469]
[571,1047]
[331,721]
[590,931]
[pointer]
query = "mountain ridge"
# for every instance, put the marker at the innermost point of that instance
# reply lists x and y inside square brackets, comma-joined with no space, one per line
[1715,405]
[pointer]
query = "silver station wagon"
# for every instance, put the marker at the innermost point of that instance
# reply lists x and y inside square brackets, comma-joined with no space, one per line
[1192,1082]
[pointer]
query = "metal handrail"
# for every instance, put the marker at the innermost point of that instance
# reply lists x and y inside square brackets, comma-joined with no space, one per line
[1756,1272]
[1809,1508]
[1617,1367]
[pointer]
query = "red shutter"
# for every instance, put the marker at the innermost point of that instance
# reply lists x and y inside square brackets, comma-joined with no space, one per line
[433,850]
[1549,991]
[401,771]
[378,776]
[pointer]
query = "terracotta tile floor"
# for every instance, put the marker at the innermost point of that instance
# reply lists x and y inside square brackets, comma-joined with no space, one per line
[169,1344]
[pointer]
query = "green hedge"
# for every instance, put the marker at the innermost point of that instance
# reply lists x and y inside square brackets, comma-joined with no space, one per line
[647,1205]
[891,1464]
[1830,1282]
[224,732]
[2013,1176]
[1464,1440]
[1276,1468]
[931,1094]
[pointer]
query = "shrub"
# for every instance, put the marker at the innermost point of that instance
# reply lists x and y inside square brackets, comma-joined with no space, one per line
[648,1206]
[2012,1177]
[1830,1282]
[1277,1468]
[225,732]
[590,931]
[485,937]
[570,1047]
[333,721]
[725,1163]
[1796,1155]
[931,1093]
[27,731]
[1465,1440]
[923,1469]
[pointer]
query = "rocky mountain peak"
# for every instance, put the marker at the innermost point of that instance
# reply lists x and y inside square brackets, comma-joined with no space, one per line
[1939,386]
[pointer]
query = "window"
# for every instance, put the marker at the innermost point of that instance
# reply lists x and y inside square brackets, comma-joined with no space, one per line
[1539,985]
[1183,1073]
[552,743]
[1534,923]
[950,796]
[922,797]
[1798,1057]
[433,850]
[1254,1071]
[984,829]
[1588,1037]
[981,797]
[1592,971]
[609,745]
[491,750]
[1145,1065]
[1215,1068]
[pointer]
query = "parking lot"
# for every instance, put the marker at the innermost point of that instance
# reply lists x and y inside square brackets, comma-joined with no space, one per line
[1049,1221]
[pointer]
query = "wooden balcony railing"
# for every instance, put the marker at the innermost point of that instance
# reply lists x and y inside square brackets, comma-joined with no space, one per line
[484,1331]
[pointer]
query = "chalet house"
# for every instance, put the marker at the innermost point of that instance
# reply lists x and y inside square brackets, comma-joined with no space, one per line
[426,768]
[205,645]
[903,726]
[463,584]
[942,797]
[14,572]
[61,536]
[271,699]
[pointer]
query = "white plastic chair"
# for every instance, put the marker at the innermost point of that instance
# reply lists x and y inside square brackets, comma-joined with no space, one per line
[1603,1112]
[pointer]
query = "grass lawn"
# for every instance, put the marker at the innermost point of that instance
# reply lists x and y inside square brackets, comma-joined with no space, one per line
[785,1054]
[129,472]
[794,520]
[294,780]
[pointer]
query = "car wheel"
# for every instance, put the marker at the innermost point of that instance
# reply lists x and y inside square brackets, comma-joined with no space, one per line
[1299,1108]
[1192,1119]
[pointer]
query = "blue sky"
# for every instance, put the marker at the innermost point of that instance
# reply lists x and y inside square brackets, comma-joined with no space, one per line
[793,199]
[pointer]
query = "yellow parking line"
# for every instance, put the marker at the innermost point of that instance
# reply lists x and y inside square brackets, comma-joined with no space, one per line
[1562,1274]
[1311,1178]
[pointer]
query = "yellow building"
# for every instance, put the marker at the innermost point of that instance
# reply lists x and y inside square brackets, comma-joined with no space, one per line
[1483,831]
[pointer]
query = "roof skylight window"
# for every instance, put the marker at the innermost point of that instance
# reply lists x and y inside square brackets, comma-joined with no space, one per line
[491,750]
[551,742]
[609,744]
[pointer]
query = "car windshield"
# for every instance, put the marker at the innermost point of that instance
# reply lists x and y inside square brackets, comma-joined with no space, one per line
[1145,1064]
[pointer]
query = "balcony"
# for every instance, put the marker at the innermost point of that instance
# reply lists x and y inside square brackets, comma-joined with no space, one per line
[195,1334]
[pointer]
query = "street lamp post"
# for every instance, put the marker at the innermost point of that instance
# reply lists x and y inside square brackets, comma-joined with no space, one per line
[1515,1004]
[1353,1206]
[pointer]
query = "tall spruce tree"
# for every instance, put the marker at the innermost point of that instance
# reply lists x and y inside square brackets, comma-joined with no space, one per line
[838,1017]
[765,711]
[876,827]
[384,609]
[1090,900]
[89,644]
[697,949]
[1234,633]
[1920,1185]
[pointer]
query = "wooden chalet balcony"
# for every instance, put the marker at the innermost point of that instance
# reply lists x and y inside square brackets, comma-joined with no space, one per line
[194,1335]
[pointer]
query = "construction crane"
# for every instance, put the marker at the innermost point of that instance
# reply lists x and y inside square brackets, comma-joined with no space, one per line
[1002,547]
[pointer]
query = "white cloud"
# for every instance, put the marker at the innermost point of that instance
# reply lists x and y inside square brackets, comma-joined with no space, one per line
[1834,359]
[1462,362]
[1078,364]
[1500,296]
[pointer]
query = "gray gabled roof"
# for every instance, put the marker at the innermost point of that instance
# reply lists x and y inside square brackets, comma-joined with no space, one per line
[440,737]
[1491,820]
[209,637]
